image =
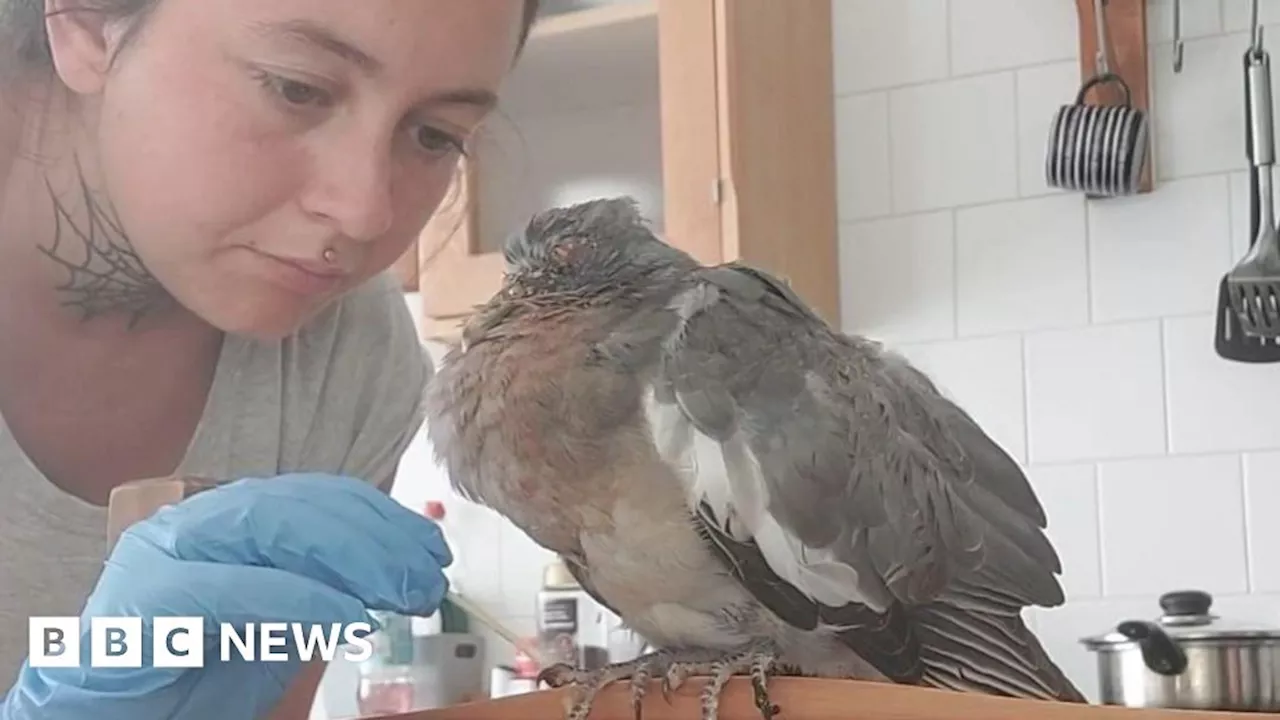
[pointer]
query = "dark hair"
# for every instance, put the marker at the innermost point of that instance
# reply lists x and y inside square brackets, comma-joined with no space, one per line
[24,43]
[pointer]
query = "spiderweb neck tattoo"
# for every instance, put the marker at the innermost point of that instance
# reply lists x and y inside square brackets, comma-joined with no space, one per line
[104,273]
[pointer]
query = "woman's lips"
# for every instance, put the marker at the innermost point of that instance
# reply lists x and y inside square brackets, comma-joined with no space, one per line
[302,275]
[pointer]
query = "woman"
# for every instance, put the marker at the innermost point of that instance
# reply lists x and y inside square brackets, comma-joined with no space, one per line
[199,203]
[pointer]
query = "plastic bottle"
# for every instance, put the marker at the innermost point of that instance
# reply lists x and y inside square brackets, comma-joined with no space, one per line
[387,679]
[569,621]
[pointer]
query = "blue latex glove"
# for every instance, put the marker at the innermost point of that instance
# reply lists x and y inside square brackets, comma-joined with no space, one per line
[296,548]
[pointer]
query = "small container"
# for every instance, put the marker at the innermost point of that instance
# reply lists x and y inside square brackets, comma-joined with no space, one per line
[571,627]
[504,682]
[558,605]
[387,678]
[525,667]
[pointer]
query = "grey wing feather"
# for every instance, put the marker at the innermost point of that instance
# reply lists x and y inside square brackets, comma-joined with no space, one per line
[850,477]
[578,570]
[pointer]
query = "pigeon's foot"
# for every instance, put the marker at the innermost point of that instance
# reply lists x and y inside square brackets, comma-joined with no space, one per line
[757,661]
[674,667]
[666,664]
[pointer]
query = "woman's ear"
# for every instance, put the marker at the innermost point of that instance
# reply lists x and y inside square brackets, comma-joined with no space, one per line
[79,44]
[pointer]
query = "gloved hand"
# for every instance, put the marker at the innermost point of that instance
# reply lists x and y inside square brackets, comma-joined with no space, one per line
[306,548]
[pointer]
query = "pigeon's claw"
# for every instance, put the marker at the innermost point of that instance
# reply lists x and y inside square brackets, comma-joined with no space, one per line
[754,660]
[589,683]
[674,667]
[761,664]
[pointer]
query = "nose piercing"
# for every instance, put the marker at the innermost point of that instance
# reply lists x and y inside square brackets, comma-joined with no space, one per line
[330,255]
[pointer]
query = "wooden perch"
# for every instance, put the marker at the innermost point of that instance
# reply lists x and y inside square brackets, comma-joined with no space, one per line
[140,499]
[804,699]
[1126,36]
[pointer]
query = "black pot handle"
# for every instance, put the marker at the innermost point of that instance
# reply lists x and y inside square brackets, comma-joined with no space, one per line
[1160,653]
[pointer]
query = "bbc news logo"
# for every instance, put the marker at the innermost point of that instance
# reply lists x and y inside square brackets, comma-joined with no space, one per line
[179,642]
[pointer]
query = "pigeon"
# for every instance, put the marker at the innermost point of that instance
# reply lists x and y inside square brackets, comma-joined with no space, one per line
[750,490]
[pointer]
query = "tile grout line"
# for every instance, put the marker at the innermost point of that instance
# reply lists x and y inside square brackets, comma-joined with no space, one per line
[955,275]
[1013,199]
[1122,459]
[1153,46]
[1246,526]
[1136,322]
[1166,390]
[1099,514]
[1026,397]
[888,151]
[1090,313]
[950,40]
[1017,135]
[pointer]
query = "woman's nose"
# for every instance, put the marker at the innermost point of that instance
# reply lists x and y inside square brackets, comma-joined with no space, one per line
[351,188]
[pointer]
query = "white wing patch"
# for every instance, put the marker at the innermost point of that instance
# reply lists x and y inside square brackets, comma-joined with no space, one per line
[729,479]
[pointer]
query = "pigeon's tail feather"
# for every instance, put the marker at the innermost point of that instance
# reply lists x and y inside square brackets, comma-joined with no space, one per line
[987,650]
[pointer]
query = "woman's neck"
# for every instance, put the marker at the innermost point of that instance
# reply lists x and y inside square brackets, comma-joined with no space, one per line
[65,262]
[102,377]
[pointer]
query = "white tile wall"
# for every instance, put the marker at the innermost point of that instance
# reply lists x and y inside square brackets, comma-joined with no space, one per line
[1077,332]
[930,170]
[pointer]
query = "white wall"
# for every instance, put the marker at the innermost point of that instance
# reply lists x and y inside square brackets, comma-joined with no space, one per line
[1079,333]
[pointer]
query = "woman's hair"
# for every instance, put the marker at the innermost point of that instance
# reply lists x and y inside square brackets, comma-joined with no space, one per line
[24,44]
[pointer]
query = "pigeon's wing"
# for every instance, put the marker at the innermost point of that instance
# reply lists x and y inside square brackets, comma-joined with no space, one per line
[847,492]
[578,569]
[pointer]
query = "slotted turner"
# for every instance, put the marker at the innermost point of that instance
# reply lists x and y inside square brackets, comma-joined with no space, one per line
[1254,283]
[1230,340]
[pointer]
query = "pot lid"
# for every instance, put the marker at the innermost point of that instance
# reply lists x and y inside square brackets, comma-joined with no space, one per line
[1186,616]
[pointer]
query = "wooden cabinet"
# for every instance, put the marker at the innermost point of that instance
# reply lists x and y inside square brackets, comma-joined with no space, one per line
[718,115]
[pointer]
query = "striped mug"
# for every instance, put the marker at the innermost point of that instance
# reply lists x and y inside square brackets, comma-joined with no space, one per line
[1097,149]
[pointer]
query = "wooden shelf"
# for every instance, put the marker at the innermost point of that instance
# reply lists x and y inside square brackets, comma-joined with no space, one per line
[716,115]
[584,60]
[806,699]
[603,15]
[544,103]
[579,118]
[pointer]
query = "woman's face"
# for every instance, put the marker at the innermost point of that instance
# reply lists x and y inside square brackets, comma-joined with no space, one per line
[239,140]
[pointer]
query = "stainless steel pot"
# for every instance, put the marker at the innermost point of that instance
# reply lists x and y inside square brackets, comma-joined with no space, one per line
[1189,659]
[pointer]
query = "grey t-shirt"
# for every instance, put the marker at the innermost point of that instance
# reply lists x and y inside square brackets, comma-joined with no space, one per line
[343,395]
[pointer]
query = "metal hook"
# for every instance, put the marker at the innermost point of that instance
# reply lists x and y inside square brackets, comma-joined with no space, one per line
[1102,67]
[1256,27]
[1177,36]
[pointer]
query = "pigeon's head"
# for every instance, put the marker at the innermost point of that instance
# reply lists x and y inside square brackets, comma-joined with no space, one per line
[593,246]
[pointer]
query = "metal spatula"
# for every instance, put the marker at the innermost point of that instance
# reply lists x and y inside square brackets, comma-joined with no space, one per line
[1254,283]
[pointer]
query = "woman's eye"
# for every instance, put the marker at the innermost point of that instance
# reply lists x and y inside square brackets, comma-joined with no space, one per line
[437,141]
[293,92]
[299,93]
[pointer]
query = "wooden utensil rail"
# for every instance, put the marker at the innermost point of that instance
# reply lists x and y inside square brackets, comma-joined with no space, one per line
[806,699]
[1126,36]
